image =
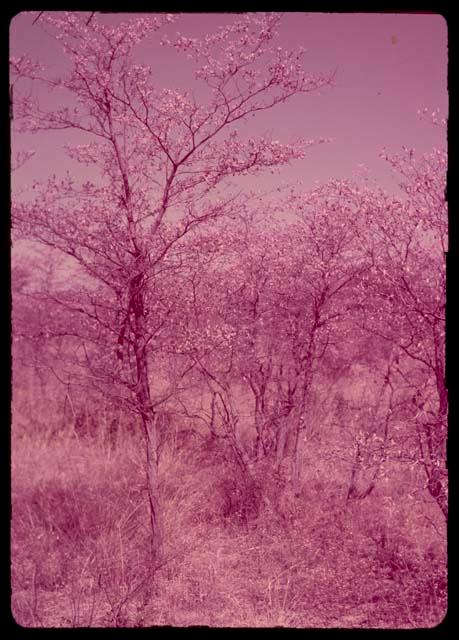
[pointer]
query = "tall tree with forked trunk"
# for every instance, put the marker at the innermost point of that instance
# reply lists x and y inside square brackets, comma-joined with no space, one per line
[164,163]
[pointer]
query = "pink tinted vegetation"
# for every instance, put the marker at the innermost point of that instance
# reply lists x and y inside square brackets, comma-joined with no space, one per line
[230,328]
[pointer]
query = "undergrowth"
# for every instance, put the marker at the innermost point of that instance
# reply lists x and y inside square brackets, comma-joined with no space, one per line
[81,552]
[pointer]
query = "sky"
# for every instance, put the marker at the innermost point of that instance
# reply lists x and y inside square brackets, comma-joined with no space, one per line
[387,67]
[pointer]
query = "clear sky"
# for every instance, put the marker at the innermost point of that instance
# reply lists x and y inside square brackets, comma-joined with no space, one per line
[387,67]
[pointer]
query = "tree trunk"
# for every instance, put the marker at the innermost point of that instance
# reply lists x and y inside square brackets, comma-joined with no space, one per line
[148,415]
[259,423]
[296,462]
[297,449]
[436,442]
[299,424]
[281,442]
[438,490]
[149,422]
[156,519]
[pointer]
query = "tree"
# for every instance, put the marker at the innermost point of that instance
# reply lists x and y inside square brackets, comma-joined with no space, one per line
[163,162]
[401,300]
[327,263]
[410,242]
[261,318]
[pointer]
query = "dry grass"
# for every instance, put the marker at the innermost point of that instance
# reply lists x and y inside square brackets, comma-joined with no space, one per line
[81,553]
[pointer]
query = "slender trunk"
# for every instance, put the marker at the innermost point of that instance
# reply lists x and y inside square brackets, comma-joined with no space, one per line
[148,415]
[149,423]
[436,439]
[259,430]
[283,433]
[239,451]
[438,490]
[230,422]
[260,449]
[299,424]
[433,452]
[435,466]
[281,442]
[352,484]
[156,520]
[285,403]
[296,462]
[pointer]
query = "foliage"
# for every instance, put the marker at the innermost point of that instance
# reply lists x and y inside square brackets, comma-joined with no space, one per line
[207,365]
